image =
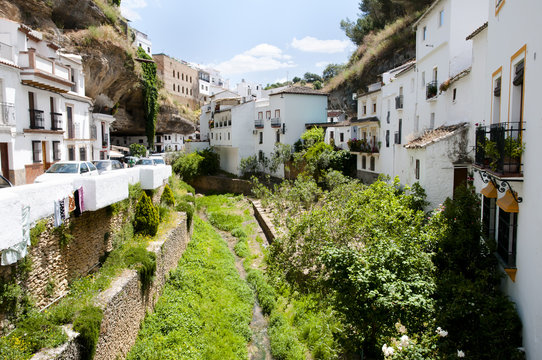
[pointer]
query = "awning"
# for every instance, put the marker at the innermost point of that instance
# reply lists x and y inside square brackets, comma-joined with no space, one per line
[490,191]
[115,154]
[508,202]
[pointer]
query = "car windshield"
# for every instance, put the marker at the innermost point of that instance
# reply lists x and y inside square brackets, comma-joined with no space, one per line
[103,165]
[144,162]
[158,161]
[63,169]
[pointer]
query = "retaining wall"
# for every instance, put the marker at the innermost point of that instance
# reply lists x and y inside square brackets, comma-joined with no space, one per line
[206,184]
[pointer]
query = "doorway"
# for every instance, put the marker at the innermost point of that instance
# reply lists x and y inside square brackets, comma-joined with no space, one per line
[4,160]
[460,177]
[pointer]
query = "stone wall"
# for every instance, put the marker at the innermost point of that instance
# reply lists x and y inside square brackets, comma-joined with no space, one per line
[367,177]
[220,184]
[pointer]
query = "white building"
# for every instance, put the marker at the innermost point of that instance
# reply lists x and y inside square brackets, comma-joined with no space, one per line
[249,91]
[143,41]
[508,91]
[45,113]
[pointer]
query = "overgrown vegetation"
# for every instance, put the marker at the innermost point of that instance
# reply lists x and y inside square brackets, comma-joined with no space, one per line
[205,308]
[150,94]
[146,217]
[204,162]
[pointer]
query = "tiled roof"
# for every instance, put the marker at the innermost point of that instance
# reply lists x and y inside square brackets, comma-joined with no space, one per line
[334,113]
[477,31]
[302,90]
[436,135]
[369,119]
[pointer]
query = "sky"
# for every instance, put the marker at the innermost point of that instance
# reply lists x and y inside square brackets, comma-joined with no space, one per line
[262,41]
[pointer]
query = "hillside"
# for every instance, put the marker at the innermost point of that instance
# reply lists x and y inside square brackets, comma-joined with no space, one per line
[96,31]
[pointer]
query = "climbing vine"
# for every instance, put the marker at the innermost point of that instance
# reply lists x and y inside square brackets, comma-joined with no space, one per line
[150,94]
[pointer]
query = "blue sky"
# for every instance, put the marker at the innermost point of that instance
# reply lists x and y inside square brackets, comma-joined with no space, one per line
[258,40]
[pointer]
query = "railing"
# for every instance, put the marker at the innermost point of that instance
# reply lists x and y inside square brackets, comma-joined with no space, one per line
[275,123]
[36,119]
[399,102]
[258,124]
[363,146]
[6,51]
[7,114]
[499,148]
[431,89]
[56,121]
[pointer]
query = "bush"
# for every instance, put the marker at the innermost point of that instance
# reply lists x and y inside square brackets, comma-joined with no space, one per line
[87,324]
[249,166]
[167,196]
[188,198]
[265,292]
[284,342]
[188,209]
[145,263]
[187,165]
[210,163]
[138,150]
[239,232]
[241,248]
[146,218]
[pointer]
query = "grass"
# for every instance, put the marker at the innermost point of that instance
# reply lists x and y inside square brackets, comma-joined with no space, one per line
[205,309]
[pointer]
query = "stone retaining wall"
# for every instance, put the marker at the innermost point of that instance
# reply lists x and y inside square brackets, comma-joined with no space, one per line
[206,184]
[262,215]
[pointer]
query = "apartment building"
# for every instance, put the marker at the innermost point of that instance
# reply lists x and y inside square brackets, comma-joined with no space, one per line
[180,80]
[507,146]
[142,40]
[45,114]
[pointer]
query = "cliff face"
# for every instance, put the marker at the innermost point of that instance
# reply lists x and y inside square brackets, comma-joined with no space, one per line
[112,75]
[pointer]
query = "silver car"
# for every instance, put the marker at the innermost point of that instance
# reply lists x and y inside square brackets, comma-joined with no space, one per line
[107,165]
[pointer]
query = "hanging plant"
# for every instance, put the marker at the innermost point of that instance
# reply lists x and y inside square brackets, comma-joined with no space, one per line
[150,95]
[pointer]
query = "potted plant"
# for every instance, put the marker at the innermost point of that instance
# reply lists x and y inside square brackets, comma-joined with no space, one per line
[513,149]
[491,154]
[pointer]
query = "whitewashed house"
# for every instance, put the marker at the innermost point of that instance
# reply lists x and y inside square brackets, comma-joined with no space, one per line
[249,90]
[142,40]
[45,113]
[508,90]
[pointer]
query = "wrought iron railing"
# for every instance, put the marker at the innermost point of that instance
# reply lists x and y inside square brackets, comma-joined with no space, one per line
[258,124]
[399,102]
[36,119]
[275,122]
[56,121]
[499,148]
[7,114]
[431,89]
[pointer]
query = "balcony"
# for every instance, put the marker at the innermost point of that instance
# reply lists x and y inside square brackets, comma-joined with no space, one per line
[499,148]
[258,124]
[36,119]
[431,89]
[7,114]
[44,73]
[363,146]
[275,123]
[56,121]
[399,102]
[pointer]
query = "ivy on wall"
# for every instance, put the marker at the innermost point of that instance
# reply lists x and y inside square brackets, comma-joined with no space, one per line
[150,95]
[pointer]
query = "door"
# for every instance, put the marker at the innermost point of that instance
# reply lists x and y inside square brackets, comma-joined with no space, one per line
[69,115]
[44,154]
[460,177]
[4,162]
[31,109]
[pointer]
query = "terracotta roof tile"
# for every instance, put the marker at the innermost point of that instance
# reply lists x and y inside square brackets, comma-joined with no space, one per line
[436,135]
[302,90]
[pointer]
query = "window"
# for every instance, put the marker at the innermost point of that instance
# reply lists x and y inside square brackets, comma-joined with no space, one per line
[178,76]
[71,153]
[260,115]
[424,33]
[496,111]
[36,151]
[441,18]
[84,168]
[173,87]
[191,79]
[261,137]
[372,163]
[277,139]
[374,108]
[260,155]
[417,174]
[364,109]
[182,77]
[268,114]
[228,135]
[141,141]
[56,150]
[82,153]
[173,73]
[432,121]
[506,243]
[454,95]
[489,212]
[363,162]
[190,91]
[341,137]
[277,113]
[400,130]
[387,138]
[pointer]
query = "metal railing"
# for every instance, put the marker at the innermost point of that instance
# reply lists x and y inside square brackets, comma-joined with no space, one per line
[399,102]
[431,89]
[258,124]
[7,114]
[275,122]
[36,119]
[56,121]
[499,147]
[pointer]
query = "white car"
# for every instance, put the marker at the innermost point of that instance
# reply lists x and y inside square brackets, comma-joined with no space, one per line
[67,169]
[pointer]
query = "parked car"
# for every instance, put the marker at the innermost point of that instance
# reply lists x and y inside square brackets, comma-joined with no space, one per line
[158,160]
[4,183]
[144,161]
[67,169]
[107,165]
[131,160]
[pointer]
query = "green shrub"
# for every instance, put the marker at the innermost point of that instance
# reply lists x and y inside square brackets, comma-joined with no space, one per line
[283,339]
[188,209]
[145,263]
[167,196]
[188,198]
[37,332]
[241,248]
[138,150]
[164,213]
[187,165]
[87,323]
[36,231]
[239,232]
[225,220]
[64,237]
[265,292]
[146,218]
[210,163]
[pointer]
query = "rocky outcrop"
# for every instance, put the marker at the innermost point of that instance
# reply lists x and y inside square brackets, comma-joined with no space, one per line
[112,75]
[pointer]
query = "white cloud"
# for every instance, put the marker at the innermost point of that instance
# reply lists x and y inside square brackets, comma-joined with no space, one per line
[262,57]
[321,64]
[312,44]
[129,8]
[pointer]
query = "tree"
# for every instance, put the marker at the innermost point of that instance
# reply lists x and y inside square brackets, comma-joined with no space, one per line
[296,79]
[311,77]
[317,85]
[138,150]
[332,70]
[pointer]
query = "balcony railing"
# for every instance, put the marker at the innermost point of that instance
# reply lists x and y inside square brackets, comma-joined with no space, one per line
[499,148]
[275,123]
[363,146]
[399,102]
[258,124]
[431,89]
[7,114]
[36,119]
[56,121]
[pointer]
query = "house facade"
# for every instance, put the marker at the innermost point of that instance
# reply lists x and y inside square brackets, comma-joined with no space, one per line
[179,79]
[45,114]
